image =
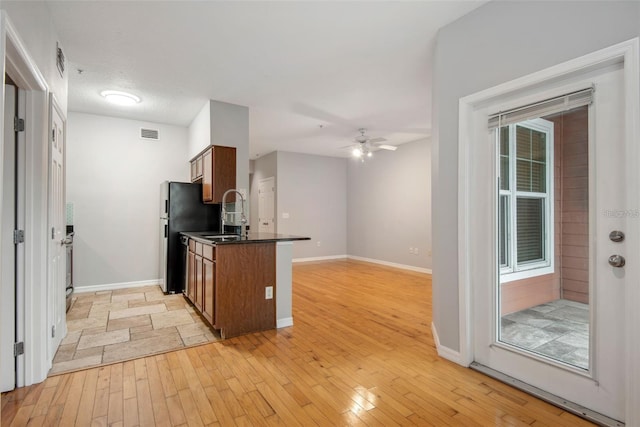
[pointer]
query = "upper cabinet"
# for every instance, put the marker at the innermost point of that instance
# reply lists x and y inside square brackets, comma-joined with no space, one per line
[215,168]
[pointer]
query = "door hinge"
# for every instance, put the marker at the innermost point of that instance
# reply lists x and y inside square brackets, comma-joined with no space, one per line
[18,349]
[18,124]
[53,232]
[18,236]
[53,331]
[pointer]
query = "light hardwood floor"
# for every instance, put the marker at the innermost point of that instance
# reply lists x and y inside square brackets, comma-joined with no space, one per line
[360,353]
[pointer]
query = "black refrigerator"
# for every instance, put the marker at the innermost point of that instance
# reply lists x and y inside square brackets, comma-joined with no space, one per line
[181,209]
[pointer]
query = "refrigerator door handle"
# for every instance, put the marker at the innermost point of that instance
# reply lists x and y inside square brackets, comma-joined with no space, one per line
[166,206]
[166,230]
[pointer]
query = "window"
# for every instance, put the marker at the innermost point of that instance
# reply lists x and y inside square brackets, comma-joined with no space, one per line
[525,221]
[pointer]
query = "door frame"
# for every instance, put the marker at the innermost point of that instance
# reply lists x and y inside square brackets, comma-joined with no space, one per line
[31,301]
[476,183]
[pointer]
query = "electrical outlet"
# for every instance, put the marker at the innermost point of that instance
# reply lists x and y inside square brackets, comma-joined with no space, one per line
[318,243]
[410,250]
[285,215]
[268,292]
[415,251]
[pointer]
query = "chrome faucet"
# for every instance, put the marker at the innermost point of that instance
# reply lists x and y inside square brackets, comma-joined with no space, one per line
[223,214]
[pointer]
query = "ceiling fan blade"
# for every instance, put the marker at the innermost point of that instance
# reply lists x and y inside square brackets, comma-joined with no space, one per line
[387,147]
[374,140]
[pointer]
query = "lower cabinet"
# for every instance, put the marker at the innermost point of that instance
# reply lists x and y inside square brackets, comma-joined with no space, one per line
[201,278]
[227,285]
[208,289]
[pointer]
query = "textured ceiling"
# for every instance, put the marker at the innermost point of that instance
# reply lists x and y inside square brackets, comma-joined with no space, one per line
[311,73]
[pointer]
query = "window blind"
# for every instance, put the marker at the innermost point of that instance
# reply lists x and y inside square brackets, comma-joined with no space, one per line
[542,108]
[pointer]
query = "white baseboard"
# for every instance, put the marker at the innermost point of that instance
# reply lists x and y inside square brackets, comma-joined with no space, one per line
[284,322]
[320,258]
[113,286]
[391,264]
[446,352]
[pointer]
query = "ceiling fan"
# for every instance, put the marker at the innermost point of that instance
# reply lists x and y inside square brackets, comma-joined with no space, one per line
[366,145]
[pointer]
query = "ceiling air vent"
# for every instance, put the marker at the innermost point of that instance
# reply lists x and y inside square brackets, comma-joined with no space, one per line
[150,134]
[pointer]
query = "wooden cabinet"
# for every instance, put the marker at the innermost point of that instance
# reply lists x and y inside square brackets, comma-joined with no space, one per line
[244,271]
[208,282]
[201,278]
[227,285]
[191,271]
[215,167]
[196,169]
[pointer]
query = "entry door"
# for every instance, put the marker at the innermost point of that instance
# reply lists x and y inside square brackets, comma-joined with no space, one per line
[266,205]
[554,317]
[57,230]
[7,263]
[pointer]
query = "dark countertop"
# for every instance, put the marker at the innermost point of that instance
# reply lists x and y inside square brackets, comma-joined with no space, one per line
[251,238]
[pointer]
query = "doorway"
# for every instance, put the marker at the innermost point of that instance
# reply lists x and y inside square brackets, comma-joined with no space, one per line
[266,205]
[545,295]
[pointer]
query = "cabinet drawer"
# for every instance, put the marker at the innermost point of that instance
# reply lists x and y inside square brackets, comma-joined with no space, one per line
[192,245]
[208,252]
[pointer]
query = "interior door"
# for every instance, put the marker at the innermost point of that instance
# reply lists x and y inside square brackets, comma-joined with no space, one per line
[57,228]
[7,262]
[266,205]
[554,316]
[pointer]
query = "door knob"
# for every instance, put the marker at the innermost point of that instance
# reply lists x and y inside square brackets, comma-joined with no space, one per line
[617,261]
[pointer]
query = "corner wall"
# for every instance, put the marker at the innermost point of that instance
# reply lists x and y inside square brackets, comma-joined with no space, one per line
[113,181]
[389,206]
[495,43]
[313,191]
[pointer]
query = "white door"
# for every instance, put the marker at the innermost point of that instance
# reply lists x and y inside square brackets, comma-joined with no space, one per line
[266,205]
[57,229]
[7,263]
[554,316]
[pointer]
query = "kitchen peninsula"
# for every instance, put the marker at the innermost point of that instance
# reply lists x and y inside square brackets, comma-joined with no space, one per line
[241,284]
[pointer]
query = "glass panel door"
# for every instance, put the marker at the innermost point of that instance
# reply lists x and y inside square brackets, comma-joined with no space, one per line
[543,238]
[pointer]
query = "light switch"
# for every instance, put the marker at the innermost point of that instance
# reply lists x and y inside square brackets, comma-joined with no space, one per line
[285,215]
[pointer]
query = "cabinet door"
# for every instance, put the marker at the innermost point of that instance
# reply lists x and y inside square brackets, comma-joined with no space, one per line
[191,276]
[199,163]
[208,285]
[207,176]
[194,175]
[198,286]
[224,172]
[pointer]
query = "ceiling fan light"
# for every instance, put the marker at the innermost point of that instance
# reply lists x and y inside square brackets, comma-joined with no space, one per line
[369,154]
[357,152]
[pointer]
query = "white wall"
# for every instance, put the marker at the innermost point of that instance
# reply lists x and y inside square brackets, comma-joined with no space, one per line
[389,205]
[495,43]
[221,123]
[313,191]
[33,24]
[113,181]
[200,131]
[35,27]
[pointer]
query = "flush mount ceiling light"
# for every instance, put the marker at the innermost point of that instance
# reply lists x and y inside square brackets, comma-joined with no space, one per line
[119,98]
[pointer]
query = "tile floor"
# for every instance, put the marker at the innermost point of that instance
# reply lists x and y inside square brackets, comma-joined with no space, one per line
[112,326]
[559,329]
